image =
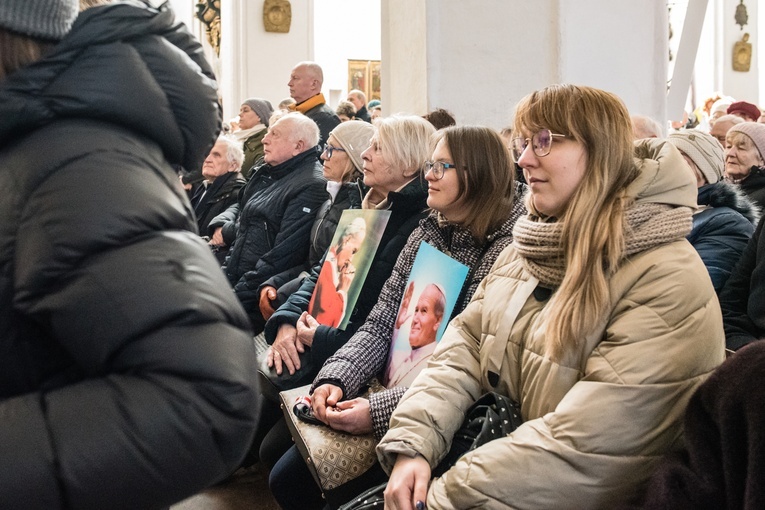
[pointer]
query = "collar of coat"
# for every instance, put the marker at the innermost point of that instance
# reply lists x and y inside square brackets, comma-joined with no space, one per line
[309,103]
[282,169]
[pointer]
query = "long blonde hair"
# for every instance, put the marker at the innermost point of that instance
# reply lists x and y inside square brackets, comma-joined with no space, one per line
[592,238]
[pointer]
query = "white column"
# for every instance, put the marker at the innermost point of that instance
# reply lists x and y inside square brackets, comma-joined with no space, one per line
[482,56]
[257,63]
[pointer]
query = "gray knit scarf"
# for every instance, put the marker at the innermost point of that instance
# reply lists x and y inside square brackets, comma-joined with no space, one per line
[648,226]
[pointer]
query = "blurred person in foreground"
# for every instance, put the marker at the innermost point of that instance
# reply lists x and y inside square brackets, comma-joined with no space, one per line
[127,376]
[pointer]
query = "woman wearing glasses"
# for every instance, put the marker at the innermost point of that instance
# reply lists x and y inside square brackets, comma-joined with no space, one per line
[600,321]
[392,168]
[470,168]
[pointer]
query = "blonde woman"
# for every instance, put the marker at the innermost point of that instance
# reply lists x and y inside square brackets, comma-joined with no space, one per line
[599,320]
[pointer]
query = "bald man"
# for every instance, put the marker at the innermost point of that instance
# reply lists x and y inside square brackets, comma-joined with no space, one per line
[359,100]
[305,84]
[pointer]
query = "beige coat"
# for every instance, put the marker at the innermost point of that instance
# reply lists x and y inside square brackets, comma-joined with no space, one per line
[596,422]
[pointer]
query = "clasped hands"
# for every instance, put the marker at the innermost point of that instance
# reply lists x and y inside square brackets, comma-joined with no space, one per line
[290,342]
[351,416]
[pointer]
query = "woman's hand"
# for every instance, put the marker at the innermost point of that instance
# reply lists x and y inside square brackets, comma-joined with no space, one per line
[352,416]
[284,350]
[408,484]
[326,395]
[306,329]
[217,238]
[267,295]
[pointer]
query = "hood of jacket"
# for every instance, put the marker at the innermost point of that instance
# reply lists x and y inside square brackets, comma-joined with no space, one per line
[724,194]
[663,177]
[145,90]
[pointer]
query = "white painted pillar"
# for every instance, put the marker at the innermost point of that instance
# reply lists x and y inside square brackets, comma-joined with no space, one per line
[482,56]
[256,63]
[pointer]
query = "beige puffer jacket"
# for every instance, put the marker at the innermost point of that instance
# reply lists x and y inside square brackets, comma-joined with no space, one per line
[596,422]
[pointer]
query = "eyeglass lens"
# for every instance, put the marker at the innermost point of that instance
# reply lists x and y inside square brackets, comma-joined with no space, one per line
[540,141]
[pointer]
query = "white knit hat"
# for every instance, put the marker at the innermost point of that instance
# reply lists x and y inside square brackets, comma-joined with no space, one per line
[354,136]
[704,151]
[46,19]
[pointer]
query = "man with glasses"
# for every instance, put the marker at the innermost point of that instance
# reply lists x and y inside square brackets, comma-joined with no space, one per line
[269,227]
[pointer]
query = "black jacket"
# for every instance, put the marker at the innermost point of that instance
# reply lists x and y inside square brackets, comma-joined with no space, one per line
[407,208]
[363,114]
[324,117]
[754,186]
[271,223]
[722,228]
[220,195]
[349,196]
[743,298]
[126,374]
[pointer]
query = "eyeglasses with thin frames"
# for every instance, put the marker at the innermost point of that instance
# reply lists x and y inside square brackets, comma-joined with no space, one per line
[438,168]
[328,150]
[541,143]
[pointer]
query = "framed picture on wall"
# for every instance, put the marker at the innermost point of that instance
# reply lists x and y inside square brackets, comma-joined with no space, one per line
[364,75]
[374,80]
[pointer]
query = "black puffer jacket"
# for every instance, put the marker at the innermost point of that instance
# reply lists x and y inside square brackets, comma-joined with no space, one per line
[271,224]
[742,299]
[126,373]
[407,208]
[349,196]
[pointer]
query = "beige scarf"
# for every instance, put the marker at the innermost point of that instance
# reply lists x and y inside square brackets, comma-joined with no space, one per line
[243,134]
[648,226]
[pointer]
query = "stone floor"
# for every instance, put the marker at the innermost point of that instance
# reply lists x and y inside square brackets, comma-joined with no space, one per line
[247,489]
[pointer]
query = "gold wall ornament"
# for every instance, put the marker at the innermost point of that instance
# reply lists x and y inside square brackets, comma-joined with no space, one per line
[208,12]
[742,54]
[741,16]
[277,16]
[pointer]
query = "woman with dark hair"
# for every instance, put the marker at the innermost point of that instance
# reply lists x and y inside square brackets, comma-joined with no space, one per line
[600,321]
[470,167]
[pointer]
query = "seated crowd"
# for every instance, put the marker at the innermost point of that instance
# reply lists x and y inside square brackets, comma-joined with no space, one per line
[602,279]
[544,316]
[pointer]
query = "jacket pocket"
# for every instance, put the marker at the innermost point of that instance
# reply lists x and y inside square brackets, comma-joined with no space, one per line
[267,232]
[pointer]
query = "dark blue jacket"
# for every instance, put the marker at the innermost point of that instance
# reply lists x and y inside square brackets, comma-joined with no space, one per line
[272,224]
[722,228]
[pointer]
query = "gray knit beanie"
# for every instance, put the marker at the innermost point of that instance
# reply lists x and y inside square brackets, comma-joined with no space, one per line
[46,19]
[354,136]
[261,107]
[704,151]
[753,130]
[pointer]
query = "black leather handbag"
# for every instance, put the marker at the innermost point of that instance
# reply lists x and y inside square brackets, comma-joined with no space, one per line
[491,417]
